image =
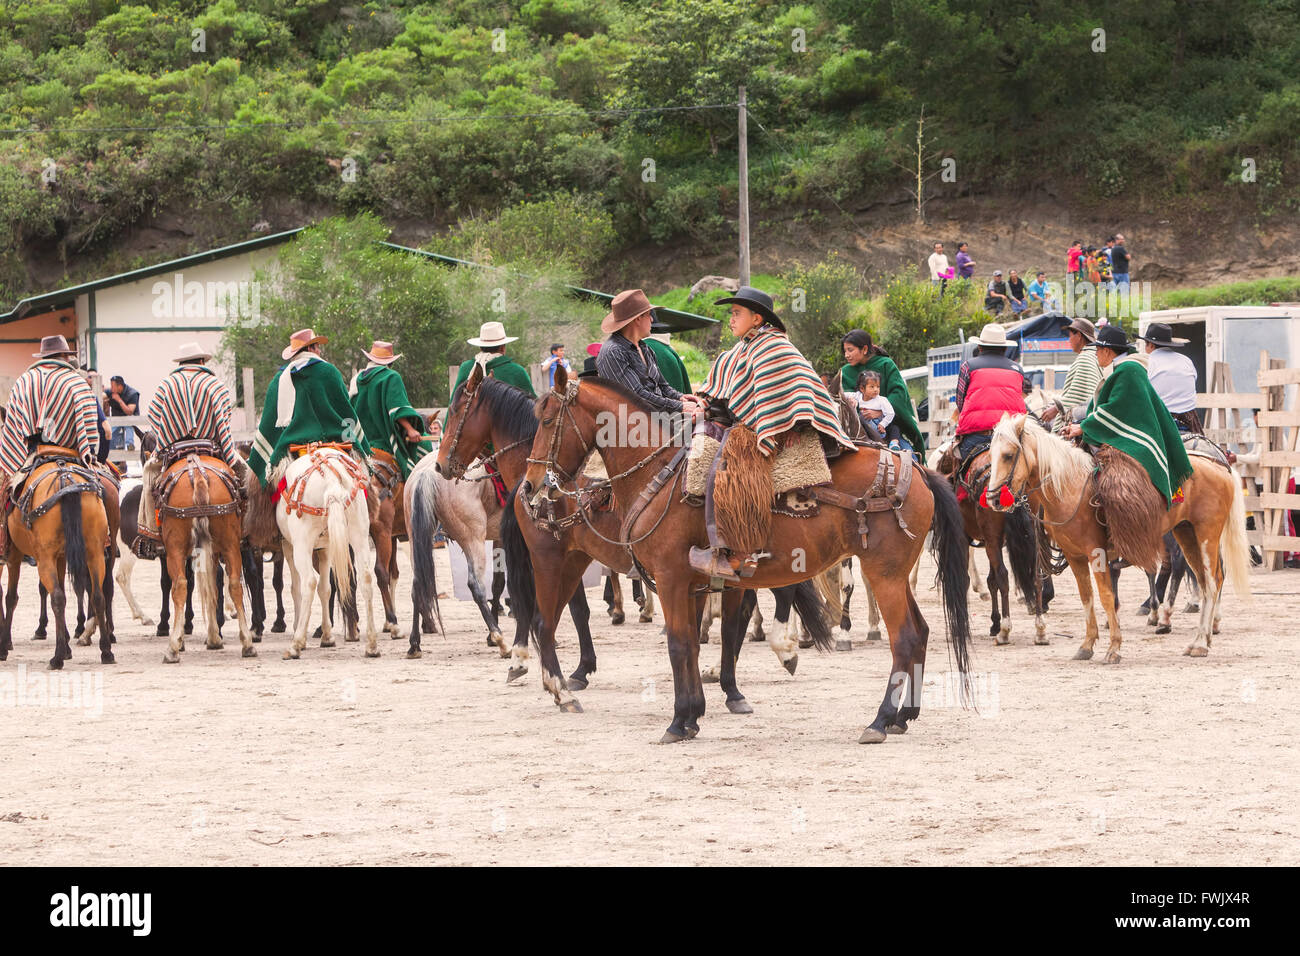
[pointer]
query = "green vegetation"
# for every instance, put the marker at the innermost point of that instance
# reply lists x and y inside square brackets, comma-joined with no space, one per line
[1255,292]
[453,112]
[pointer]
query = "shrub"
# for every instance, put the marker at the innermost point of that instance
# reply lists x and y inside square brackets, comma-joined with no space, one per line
[563,232]
[917,319]
[820,305]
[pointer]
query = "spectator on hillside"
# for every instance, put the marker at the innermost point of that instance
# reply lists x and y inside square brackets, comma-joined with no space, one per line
[1088,266]
[1072,259]
[121,399]
[554,361]
[1119,263]
[995,296]
[1039,296]
[965,264]
[1016,292]
[1103,265]
[940,271]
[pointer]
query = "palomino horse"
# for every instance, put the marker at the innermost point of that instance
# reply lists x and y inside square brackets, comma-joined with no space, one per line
[324,497]
[200,512]
[61,521]
[1057,477]
[546,564]
[886,533]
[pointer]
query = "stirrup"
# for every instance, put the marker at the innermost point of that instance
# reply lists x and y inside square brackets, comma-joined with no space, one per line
[147,544]
[712,563]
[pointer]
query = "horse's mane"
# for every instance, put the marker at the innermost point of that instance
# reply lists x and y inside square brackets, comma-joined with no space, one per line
[622,391]
[510,407]
[1060,465]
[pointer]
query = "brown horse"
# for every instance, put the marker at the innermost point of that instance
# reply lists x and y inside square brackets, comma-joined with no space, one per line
[61,521]
[200,511]
[387,522]
[887,535]
[1210,523]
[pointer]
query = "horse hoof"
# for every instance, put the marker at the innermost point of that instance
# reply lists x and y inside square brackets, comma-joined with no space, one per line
[671,738]
[1111,658]
[215,647]
[1083,654]
[704,637]
[571,707]
[278,627]
[325,643]
[1195,651]
[396,635]
[758,637]
[872,736]
[1001,640]
[414,654]
[56,663]
[1041,641]
[39,635]
[291,655]
[645,619]
[181,645]
[791,664]
[374,653]
[896,729]
[351,640]
[576,683]
[163,631]
[741,706]
[257,638]
[515,673]
[171,657]
[873,635]
[249,652]
[1192,607]
[616,618]
[107,658]
[1163,629]
[843,644]
[189,630]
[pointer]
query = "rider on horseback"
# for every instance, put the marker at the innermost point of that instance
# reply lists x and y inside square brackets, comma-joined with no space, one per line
[772,389]
[306,402]
[50,404]
[989,385]
[191,404]
[392,426]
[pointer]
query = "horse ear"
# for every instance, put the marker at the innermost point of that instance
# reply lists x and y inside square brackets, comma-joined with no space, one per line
[561,378]
[475,378]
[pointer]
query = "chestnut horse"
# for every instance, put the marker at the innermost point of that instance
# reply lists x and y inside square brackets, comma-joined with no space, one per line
[69,531]
[660,534]
[1057,477]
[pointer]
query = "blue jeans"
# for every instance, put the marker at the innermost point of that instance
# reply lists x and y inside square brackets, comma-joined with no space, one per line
[124,438]
[1121,280]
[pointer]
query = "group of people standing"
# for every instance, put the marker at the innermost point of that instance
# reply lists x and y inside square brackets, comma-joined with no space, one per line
[1107,266]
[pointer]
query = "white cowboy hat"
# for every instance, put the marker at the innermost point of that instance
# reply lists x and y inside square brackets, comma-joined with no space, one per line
[993,335]
[191,352]
[492,334]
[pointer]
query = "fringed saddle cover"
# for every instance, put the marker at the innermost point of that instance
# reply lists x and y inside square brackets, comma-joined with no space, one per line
[1132,507]
[799,464]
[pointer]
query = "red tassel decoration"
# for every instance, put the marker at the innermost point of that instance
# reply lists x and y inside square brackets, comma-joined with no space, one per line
[1178,496]
[1006,499]
[280,489]
[984,498]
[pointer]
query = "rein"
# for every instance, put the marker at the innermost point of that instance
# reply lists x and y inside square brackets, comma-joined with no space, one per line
[455,467]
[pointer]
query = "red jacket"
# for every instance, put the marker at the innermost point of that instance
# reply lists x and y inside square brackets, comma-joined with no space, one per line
[988,387]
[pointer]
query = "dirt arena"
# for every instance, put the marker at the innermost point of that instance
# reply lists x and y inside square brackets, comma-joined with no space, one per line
[339,760]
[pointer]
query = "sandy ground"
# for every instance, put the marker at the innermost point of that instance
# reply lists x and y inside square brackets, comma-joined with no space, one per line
[335,759]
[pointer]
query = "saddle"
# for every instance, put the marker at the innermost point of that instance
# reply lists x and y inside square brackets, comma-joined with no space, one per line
[71,476]
[307,448]
[1202,447]
[387,476]
[344,467]
[196,458]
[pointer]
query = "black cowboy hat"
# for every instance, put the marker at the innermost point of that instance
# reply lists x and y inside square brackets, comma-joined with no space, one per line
[588,367]
[756,300]
[1162,335]
[1114,338]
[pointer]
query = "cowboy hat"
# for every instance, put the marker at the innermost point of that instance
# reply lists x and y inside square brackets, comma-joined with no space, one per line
[492,334]
[191,352]
[381,353]
[1082,326]
[301,340]
[627,306]
[1114,338]
[52,345]
[993,336]
[756,301]
[1162,335]
[588,367]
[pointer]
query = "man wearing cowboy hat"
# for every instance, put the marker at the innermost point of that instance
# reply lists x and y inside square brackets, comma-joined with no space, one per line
[989,385]
[190,404]
[1128,414]
[770,388]
[379,399]
[307,401]
[492,341]
[1173,375]
[626,359]
[1081,381]
[49,404]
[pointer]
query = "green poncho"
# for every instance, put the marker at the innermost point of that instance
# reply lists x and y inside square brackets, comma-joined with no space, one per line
[1128,414]
[321,412]
[502,369]
[670,365]
[380,403]
[894,388]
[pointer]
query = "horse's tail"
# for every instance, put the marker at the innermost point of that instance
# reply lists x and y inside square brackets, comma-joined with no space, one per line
[205,571]
[421,527]
[74,542]
[1020,534]
[951,553]
[519,565]
[1233,542]
[814,613]
[830,587]
[337,550]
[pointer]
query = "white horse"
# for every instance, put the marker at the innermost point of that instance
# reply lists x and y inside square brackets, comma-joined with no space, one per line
[325,500]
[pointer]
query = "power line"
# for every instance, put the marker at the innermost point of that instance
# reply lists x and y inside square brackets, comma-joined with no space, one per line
[387,121]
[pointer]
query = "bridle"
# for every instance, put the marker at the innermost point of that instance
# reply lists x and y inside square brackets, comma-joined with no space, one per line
[455,467]
[557,435]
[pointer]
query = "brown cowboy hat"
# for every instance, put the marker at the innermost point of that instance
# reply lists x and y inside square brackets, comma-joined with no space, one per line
[52,345]
[628,305]
[301,340]
[1082,326]
[381,353]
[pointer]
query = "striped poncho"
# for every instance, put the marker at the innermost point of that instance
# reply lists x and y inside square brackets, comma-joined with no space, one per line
[51,400]
[770,387]
[192,402]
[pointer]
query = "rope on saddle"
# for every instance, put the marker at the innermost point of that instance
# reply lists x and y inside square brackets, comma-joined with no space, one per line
[343,467]
[887,492]
[70,477]
[194,466]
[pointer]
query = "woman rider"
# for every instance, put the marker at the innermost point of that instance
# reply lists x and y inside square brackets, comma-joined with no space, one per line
[862,355]
[771,388]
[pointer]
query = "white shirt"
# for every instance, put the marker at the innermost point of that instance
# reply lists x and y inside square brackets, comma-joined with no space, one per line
[1173,376]
[938,263]
[877,404]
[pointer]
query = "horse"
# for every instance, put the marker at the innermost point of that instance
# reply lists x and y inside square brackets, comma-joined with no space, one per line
[644,597]
[886,533]
[261,536]
[324,496]
[62,520]
[387,522]
[200,512]
[1058,478]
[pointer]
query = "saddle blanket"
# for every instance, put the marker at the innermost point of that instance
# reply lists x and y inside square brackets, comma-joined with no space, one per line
[799,464]
[1201,446]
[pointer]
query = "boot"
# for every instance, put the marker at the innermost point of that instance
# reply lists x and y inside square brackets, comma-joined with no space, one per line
[715,563]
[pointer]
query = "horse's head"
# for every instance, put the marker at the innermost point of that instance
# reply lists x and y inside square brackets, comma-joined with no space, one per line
[1012,461]
[566,433]
[469,425]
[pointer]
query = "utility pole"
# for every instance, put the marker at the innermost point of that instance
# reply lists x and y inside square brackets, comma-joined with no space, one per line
[744,192]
